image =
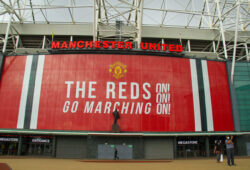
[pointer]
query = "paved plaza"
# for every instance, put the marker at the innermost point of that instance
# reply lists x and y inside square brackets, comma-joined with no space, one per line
[25,163]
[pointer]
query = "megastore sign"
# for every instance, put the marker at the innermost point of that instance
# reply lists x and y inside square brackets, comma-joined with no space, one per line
[81,91]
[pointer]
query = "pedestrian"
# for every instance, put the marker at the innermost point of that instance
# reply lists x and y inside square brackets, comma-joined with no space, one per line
[230,150]
[218,150]
[116,154]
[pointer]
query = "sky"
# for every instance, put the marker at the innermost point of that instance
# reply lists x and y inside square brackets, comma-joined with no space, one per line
[84,13]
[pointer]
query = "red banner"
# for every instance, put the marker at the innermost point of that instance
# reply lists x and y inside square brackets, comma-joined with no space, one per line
[80,92]
[10,90]
[220,96]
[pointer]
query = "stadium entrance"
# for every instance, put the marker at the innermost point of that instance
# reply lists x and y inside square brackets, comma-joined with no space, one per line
[106,151]
[37,145]
[8,144]
[191,147]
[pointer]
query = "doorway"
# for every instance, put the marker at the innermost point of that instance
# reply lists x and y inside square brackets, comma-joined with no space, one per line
[107,151]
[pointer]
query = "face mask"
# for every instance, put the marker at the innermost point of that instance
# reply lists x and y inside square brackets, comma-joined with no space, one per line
[228,137]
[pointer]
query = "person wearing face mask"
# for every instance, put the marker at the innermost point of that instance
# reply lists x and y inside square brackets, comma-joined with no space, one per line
[230,150]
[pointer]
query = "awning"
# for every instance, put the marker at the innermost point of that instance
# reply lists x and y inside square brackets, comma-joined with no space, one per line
[85,133]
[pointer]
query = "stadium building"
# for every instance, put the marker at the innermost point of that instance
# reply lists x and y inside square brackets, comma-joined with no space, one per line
[177,71]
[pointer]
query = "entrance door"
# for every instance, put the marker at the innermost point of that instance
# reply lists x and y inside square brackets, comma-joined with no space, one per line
[125,151]
[37,146]
[248,148]
[190,147]
[106,151]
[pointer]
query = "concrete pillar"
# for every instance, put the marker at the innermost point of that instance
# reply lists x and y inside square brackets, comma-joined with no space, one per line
[20,141]
[1,64]
[54,147]
[175,147]
[207,146]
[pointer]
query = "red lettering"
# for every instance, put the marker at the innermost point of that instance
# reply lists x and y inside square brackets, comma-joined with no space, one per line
[120,44]
[89,44]
[179,48]
[128,45]
[64,45]
[80,44]
[164,47]
[113,44]
[72,44]
[55,44]
[144,46]
[97,44]
[105,44]
[116,44]
[152,46]
[159,47]
[171,47]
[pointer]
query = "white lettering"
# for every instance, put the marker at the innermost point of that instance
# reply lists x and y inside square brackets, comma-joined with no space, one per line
[88,108]
[158,110]
[98,107]
[107,107]
[164,88]
[74,106]
[91,89]
[134,88]
[132,107]
[147,108]
[163,109]
[110,89]
[158,87]
[80,89]
[117,104]
[158,98]
[139,108]
[121,90]
[125,106]
[66,107]
[164,98]
[69,83]
[148,96]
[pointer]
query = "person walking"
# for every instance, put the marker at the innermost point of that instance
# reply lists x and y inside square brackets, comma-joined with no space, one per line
[230,150]
[116,154]
[218,150]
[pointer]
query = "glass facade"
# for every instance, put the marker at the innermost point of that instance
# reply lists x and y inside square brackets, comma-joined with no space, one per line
[191,147]
[242,88]
[8,144]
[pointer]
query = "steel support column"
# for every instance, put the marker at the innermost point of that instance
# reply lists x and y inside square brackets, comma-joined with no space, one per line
[139,14]
[222,29]
[235,40]
[7,34]
[95,24]
[189,45]
[209,13]
[44,42]
[247,52]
